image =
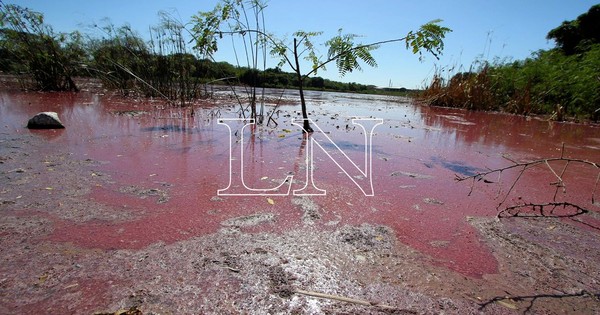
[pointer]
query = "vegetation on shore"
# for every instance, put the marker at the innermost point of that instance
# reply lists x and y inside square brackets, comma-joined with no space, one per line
[164,66]
[561,82]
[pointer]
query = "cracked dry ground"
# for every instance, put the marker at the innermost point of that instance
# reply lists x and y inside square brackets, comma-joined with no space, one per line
[248,265]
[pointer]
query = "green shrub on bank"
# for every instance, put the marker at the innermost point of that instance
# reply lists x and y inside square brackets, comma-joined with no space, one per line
[29,46]
[550,83]
[564,81]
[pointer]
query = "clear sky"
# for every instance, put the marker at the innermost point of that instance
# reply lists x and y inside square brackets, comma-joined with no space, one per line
[507,29]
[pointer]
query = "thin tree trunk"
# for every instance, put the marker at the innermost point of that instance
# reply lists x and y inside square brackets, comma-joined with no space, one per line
[307,127]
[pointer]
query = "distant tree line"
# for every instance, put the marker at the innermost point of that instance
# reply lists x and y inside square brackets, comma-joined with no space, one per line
[561,82]
[276,78]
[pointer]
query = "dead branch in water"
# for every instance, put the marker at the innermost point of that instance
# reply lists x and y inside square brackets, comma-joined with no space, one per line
[541,207]
[508,301]
[559,184]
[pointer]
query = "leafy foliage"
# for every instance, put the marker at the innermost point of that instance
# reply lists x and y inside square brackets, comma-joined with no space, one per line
[212,25]
[230,17]
[32,47]
[430,37]
[560,82]
[119,54]
[161,67]
[346,55]
[575,36]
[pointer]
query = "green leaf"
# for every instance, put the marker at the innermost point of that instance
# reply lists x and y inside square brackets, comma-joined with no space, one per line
[429,37]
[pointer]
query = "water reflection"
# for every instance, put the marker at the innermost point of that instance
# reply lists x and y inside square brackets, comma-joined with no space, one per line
[511,134]
[458,167]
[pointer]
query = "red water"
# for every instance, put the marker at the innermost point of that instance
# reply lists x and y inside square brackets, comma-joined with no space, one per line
[188,156]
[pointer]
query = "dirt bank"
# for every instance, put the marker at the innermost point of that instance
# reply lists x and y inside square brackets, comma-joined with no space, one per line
[552,264]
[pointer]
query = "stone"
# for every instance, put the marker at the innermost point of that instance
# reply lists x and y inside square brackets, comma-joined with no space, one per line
[45,120]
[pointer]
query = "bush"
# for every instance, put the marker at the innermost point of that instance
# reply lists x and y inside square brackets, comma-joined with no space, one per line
[563,81]
[549,82]
[31,47]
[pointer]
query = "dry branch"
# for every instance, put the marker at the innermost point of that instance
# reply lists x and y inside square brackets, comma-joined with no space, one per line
[523,166]
[541,208]
[351,300]
[533,298]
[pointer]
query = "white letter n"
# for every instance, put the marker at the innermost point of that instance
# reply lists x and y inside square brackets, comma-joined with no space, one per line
[319,137]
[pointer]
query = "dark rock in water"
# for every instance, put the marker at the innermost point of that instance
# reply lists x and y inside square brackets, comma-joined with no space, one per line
[45,120]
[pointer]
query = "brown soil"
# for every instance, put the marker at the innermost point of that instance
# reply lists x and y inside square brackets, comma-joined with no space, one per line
[547,266]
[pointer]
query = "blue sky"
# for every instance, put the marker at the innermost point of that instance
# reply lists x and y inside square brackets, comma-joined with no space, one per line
[509,29]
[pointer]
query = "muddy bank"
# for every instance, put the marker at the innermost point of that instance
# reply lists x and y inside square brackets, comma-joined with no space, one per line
[548,266]
[120,211]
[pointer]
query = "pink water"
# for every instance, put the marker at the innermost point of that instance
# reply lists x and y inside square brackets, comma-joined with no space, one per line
[188,155]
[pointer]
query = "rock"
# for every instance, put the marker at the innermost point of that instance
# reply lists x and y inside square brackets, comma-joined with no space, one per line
[45,120]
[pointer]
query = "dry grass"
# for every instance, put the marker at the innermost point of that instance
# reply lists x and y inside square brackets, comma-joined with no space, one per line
[475,91]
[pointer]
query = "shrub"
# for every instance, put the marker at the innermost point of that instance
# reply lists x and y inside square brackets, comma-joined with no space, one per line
[31,47]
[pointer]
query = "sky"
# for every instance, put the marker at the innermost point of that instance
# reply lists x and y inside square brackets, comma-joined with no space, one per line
[481,30]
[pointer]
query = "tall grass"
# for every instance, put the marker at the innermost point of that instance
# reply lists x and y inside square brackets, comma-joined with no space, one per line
[162,67]
[549,83]
[470,90]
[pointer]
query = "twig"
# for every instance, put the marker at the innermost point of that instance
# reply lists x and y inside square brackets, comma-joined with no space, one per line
[541,207]
[595,188]
[533,298]
[351,300]
[141,80]
[526,165]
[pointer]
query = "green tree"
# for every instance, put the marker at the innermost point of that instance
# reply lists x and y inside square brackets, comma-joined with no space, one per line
[252,77]
[317,82]
[52,59]
[579,34]
[227,18]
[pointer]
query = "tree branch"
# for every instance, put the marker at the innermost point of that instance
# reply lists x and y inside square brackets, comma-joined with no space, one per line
[268,37]
[527,165]
[321,65]
[351,300]
[532,298]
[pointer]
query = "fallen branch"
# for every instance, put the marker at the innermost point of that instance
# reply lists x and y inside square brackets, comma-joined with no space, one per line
[351,300]
[523,166]
[532,298]
[541,206]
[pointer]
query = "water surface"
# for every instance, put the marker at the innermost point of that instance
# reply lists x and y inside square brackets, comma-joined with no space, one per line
[417,153]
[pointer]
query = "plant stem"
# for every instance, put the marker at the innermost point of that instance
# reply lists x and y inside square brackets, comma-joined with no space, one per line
[307,128]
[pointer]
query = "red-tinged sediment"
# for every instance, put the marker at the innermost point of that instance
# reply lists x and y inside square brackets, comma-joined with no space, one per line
[120,210]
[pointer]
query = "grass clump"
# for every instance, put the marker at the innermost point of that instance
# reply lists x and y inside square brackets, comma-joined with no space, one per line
[561,82]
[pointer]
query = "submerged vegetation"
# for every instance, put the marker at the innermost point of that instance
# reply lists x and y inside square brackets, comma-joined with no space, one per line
[561,82]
